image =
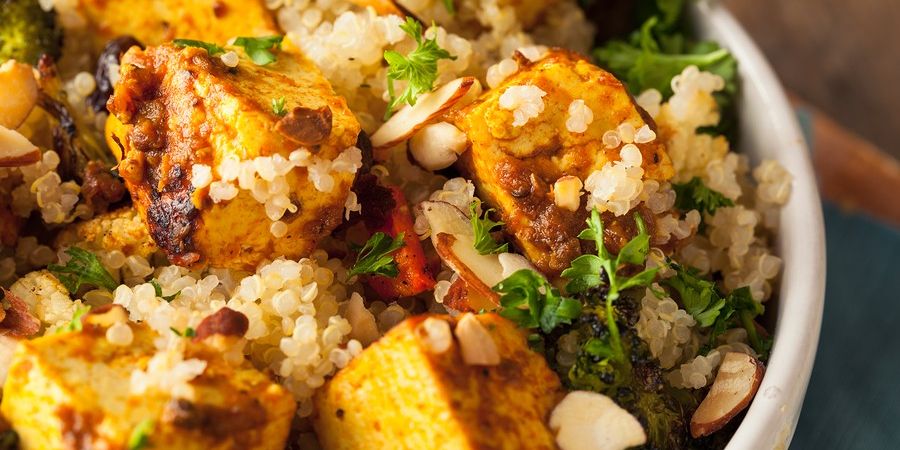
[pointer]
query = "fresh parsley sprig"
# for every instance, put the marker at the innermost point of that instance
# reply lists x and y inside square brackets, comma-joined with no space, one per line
[696,195]
[259,49]
[159,292]
[482,227]
[530,301]
[84,268]
[140,435]
[212,49]
[418,68]
[75,324]
[702,300]
[587,272]
[278,107]
[187,333]
[375,257]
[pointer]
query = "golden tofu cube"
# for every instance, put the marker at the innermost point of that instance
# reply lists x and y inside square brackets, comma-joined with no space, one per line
[515,167]
[72,390]
[398,394]
[154,22]
[175,109]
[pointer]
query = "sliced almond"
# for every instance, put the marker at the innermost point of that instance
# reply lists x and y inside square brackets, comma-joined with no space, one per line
[427,109]
[16,150]
[475,342]
[438,145]
[17,320]
[445,218]
[590,421]
[20,93]
[734,387]
[480,272]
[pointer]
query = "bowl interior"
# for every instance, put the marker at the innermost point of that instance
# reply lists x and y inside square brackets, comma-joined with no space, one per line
[769,130]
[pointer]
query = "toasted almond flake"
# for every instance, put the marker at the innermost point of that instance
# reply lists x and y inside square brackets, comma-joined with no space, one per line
[402,125]
[476,343]
[591,421]
[480,272]
[735,385]
[16,150]
[20,93]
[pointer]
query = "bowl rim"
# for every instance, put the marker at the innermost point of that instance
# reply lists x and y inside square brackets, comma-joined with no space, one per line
[771,420]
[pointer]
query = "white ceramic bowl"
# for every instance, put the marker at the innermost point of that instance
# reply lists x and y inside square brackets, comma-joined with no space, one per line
[769,130]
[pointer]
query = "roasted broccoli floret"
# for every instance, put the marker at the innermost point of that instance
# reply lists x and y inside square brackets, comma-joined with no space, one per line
[27,31]
[636,382]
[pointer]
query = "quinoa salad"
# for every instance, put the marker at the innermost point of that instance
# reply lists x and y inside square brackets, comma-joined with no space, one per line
[376,224]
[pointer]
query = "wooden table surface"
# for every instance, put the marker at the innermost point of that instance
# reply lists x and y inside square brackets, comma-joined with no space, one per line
[852,172]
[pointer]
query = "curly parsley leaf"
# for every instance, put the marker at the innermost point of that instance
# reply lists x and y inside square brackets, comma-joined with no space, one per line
[418,68]
[75,324]
[159,292]
[375,258]
[482,227]
[696,195]
[702,300]
[83,268]
[140,435]
[259,49]
[529,300]
[187,333]
[212,49]
[278,107]
[699,297]
[587,272]
[658,51]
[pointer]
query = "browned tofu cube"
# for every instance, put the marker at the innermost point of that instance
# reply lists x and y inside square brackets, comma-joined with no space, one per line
[400,394]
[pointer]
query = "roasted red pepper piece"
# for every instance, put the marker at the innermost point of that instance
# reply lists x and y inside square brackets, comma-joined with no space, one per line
[414,276]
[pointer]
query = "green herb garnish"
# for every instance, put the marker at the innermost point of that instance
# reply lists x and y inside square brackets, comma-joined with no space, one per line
[482,227]
[212,49]
[695,195]
[260,49]
[140,435]
[451,8]
[530,301]
[187,333]
[418,68]
[159,293]
[585,273]
[75,324]
[278,107]
[84,268]
[702,300]
[699,297]
[375,258]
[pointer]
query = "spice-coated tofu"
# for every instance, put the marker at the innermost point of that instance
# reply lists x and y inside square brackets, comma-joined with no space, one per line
[398,394]
[176,109]
[72,391]
[154,22]
[515,167]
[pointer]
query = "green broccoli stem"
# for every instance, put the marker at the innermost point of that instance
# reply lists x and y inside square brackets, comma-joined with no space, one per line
[615,338]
